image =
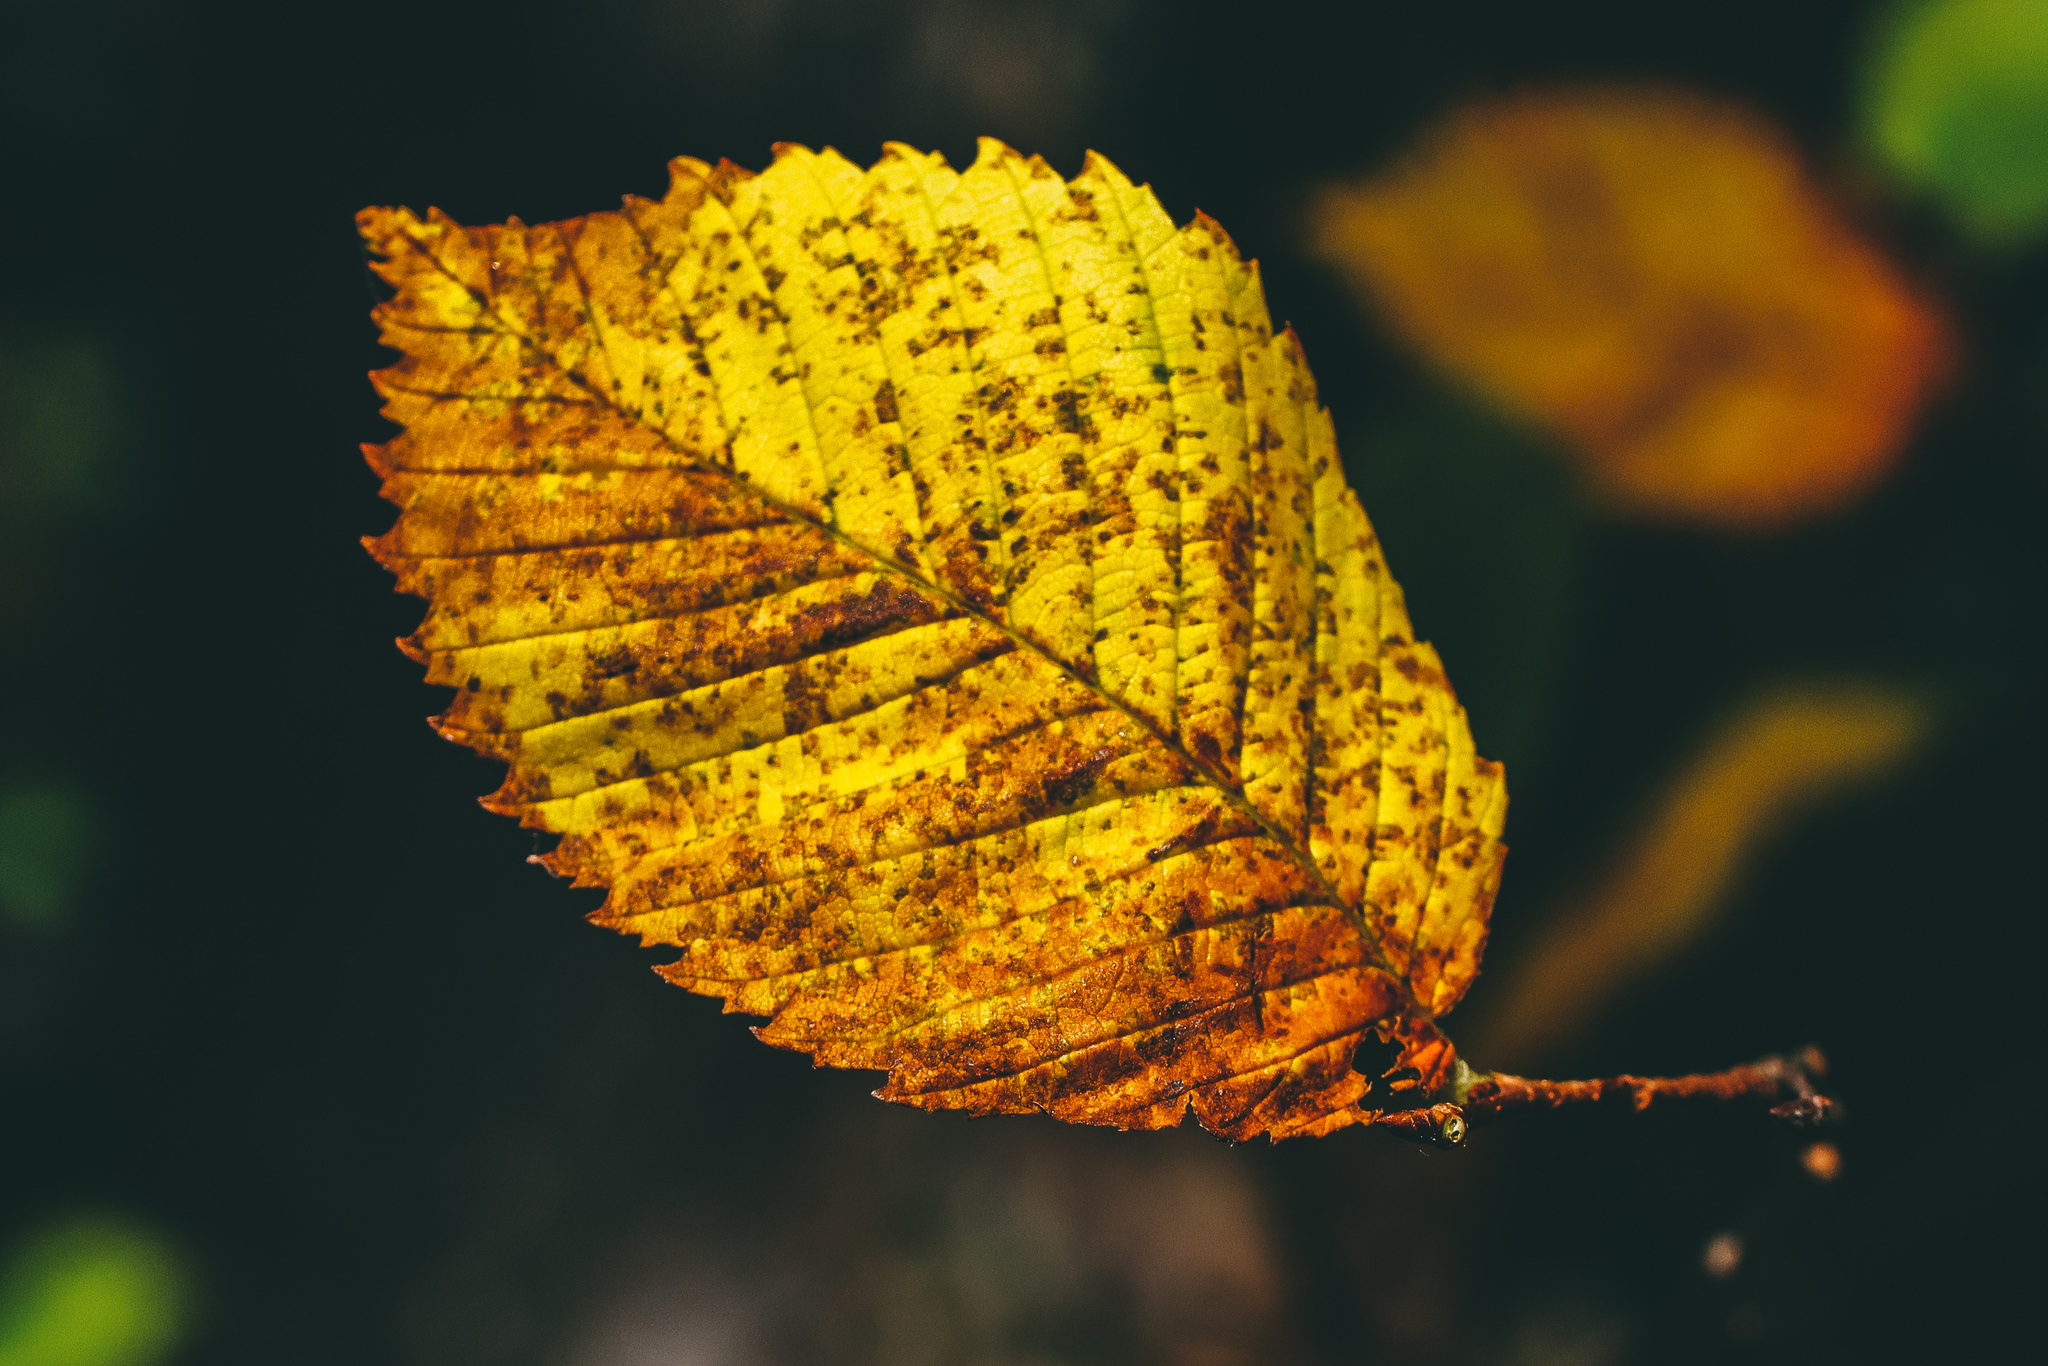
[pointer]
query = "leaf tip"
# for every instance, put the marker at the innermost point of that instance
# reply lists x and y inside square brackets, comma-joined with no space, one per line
[993,152]
[1099,167]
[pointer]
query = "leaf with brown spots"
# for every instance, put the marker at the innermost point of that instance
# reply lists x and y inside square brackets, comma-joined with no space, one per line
[930,602]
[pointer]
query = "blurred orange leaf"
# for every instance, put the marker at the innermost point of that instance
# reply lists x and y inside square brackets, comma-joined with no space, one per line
[931,603]
[1655,277]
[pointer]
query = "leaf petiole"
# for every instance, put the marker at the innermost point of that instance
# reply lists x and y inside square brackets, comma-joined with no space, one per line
[1476,1097]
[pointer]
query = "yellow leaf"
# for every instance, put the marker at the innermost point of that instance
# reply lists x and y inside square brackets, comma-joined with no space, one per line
[1653,276]
[931,603]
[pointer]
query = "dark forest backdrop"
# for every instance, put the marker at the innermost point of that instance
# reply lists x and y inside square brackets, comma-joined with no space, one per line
[294,1042]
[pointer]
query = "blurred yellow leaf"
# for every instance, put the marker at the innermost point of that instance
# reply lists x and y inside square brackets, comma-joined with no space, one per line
[931,603]
[1786,751]
[1653,276]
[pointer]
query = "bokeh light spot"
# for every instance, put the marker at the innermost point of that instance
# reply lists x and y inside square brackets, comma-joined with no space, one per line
[46,850]
[1958,104]
[91,1292]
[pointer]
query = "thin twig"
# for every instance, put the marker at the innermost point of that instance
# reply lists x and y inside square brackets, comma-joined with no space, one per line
[1479,1096]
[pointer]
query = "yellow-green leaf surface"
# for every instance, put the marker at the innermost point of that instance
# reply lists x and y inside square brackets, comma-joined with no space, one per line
[930,602]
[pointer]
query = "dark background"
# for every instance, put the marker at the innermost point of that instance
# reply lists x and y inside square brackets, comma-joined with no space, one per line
[391,1098]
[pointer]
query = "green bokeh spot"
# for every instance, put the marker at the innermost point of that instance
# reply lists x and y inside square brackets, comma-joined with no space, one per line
[91,1292]
[47,838]
[63,410]
[1959,105]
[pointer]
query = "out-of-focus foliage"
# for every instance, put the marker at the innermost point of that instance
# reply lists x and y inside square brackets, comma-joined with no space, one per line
[47,840]
[1784,752]
[1958,104]
[59,418]
[64,433]
[91,1292]
[932,602]
[1652,275]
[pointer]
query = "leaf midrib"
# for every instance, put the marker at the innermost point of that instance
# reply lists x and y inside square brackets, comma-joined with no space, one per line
[1232,795]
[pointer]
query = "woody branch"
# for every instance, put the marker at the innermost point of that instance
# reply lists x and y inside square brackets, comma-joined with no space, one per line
[1487,1096]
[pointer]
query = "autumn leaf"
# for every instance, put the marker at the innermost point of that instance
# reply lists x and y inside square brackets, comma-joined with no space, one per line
[1653,276]
[931,603]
